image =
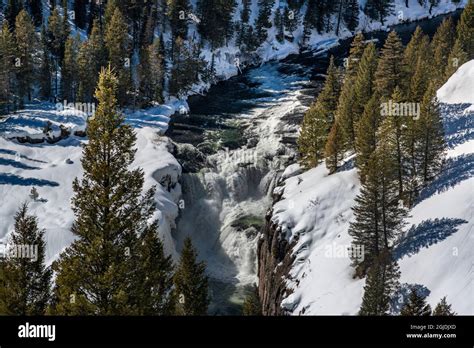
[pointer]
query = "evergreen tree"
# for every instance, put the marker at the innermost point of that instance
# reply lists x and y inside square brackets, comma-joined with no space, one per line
[411,54]
[366,136]
[280,34]
[57,34]
[252,305]
[390,70]
[91,57]
[151,73]
[69,73]
[264,19]
[26,43]
[423,72]
[7,68]
[334,152]
[25,281]
[290,21]
[95,273]
[465,30]
[380,286]
[36,11]
[12,11]
[153,277]
[187,64]
[443,309]
[441,46]
[378,9]
[215,20]
[319,118]
[431,146]
[118,48]
[378,213]
[178,11]
[351,14]
[457,57]
[346,108]
[45,68]
[191,283]
[416,305]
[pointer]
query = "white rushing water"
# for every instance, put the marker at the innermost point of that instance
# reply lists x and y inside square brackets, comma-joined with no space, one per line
[225,203]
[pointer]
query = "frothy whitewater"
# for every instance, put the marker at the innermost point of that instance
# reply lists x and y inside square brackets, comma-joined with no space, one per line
[225,203]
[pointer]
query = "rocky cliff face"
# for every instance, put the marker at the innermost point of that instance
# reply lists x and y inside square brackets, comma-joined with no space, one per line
[274,263]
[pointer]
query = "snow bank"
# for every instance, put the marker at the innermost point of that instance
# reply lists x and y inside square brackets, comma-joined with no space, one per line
[435,250]
[460,87]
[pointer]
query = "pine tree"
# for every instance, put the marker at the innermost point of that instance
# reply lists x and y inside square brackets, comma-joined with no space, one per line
[334,149]
[26,43]
[91,57]
[178,11]
[187,64]
[350,108]
[378,213]
[57,33]
[411,55]
[351,14]
[366,136]
[45,68]
[390,70]
[69,73]
[191,283]
[12,11]
[443,309]
[264,19]
[280,34]
[215,20]
[456,58]
[441,45]
[151,74]
[380,286]
[378,9]
[319,118]
[465,30]
[153,277]
[7,68]
[95,273]
[25,281]
[290,21]
[422,73]
[431,146]
[416,305]
[118,48]
[252,305]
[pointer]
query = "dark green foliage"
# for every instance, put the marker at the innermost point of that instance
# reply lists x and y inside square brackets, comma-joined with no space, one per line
[191,283]
[25,281]
[416,305]
[378,9]
[252,305]
[380,286]
[216,20]
[443,309]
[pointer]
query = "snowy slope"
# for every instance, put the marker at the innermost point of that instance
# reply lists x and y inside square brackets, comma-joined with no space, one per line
[51,168]
[435,251]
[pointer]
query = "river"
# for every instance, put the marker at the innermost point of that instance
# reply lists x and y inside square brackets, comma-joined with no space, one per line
[234,146]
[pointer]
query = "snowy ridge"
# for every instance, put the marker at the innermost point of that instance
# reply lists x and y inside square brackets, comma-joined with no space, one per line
[435,251]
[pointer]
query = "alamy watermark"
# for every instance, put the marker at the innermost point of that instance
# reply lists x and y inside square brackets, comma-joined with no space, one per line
[352,251]
[19,251]
[76,108]
[406,109]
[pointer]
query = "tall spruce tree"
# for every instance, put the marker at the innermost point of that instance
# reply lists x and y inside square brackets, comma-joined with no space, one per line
[178,11]
[366,134]
[431,145]
[26,63]
[443,309]
[334,149]
[215,23]
[422,72]
[465,30]
[351,14]
[378,212]
[390,69]
[319,118]
[7,68]
[191,283]
[69,73]
[416,305]
[441,46]
[45,72]
[380,286]
[264,19]
[378,9]
[95,274]
[25,281]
